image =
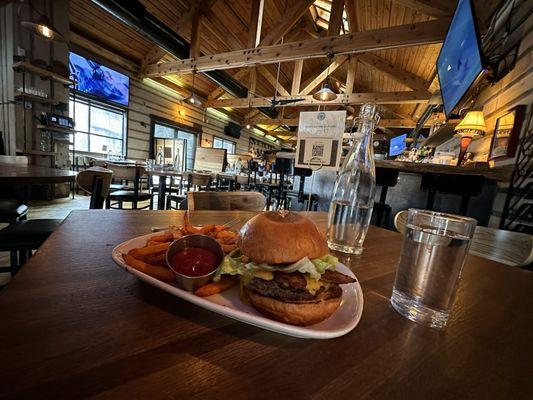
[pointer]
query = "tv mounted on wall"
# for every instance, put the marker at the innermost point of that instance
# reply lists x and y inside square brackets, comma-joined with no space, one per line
[98,80]
[460,62]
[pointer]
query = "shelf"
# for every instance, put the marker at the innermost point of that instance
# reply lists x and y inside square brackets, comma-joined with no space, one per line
[444,133]
[56,129]
[39,153]
[37,99]
[43,73]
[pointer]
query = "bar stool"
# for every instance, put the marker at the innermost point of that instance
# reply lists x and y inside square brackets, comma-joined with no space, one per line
[385,177]
[465,186]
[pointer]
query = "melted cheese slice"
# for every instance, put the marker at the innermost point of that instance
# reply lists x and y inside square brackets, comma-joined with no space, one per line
[312,284]
[265,275]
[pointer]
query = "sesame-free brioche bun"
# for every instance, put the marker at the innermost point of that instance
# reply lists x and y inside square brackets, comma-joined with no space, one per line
[302,313]
[275,237]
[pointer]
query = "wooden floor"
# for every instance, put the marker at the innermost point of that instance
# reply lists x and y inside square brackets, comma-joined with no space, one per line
[51,209]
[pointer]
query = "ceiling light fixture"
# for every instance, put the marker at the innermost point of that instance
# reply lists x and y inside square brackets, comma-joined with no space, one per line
[325,93]
[42,27]
[192,98]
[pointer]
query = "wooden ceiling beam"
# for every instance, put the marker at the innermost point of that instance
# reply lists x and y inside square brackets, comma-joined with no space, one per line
[196,33]
[406,97]
[404,77]
[256,22]
[352,15]
[219,91]
[270,121]
[253,82]
[337,62]
[420,33]
[272,80]
[350,75]
[385,122]
[297,77]
[433,8]
[335,17]
[290,17]
[183,27]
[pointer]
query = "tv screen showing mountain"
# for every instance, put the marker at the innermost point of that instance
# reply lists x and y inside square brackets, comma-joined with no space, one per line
[98,80]
[459,62]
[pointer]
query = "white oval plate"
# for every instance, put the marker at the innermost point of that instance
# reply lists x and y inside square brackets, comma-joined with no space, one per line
[228,303]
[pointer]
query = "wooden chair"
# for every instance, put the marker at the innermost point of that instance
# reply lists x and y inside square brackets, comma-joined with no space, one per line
[506,247]
[95,181]
[242,201]
[133,195]
[198,181]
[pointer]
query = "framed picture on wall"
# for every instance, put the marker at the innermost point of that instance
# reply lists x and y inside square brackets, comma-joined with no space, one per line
[506,133]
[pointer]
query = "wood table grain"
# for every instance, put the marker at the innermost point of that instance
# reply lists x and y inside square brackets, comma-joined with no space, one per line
[74,325]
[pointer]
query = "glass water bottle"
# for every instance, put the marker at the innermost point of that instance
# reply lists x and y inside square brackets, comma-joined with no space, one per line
[353,197]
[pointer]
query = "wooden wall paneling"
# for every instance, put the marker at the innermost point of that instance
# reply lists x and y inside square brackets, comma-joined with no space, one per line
[433,8]
[290,17]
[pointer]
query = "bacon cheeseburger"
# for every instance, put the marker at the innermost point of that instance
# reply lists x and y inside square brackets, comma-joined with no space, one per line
[285,269]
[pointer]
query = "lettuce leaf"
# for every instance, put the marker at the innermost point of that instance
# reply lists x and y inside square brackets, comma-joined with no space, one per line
[233,265]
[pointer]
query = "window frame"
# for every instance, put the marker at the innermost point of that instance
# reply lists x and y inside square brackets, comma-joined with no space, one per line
[194,130]
[225,141]
[90,102]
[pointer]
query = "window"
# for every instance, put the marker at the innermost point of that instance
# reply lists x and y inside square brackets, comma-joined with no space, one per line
[100,128]
[173,144]
[219,143]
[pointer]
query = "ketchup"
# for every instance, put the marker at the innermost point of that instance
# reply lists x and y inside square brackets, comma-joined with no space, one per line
[194,261]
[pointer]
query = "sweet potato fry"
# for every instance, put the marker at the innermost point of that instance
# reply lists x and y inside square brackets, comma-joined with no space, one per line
[212,288]
[142,252]
[228,248]
[227,234]
[155,271]
[166,236]
[156,259]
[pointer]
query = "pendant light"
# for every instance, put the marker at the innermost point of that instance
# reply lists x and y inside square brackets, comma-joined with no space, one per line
[42,27]
[192,98]
[325,93]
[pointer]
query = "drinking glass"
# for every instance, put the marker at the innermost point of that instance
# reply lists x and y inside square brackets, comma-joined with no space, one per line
[433,254]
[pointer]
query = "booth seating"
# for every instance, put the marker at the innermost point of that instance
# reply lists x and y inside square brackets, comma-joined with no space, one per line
[465,186]
[385,177]
[242,201]
[132,195]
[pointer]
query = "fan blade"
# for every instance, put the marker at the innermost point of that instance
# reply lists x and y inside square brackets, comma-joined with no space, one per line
[289,101]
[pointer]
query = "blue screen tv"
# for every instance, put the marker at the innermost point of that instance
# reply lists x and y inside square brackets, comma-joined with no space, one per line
[98,80]
[397,145]
[459,63]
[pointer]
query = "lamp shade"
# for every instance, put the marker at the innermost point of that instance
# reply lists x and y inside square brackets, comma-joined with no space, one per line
[44,28]
[325,94]
[472,124]
[193,100]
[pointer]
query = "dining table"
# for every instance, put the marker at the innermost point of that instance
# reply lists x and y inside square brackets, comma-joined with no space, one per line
[75,325]
[24,174]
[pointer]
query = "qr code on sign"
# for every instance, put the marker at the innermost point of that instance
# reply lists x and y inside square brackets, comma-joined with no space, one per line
[318,150]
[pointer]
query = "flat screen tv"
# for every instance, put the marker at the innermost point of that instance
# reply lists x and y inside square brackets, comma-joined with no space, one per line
[459,63]
[397,145]
[98,80]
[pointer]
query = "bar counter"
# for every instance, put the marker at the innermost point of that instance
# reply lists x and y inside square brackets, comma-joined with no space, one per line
[408,194]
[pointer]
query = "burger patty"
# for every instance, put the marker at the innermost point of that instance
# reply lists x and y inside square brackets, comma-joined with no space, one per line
[278,291]
[336,277]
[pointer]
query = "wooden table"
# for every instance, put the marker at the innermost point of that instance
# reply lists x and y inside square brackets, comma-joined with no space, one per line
[34,175]
[73,325]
